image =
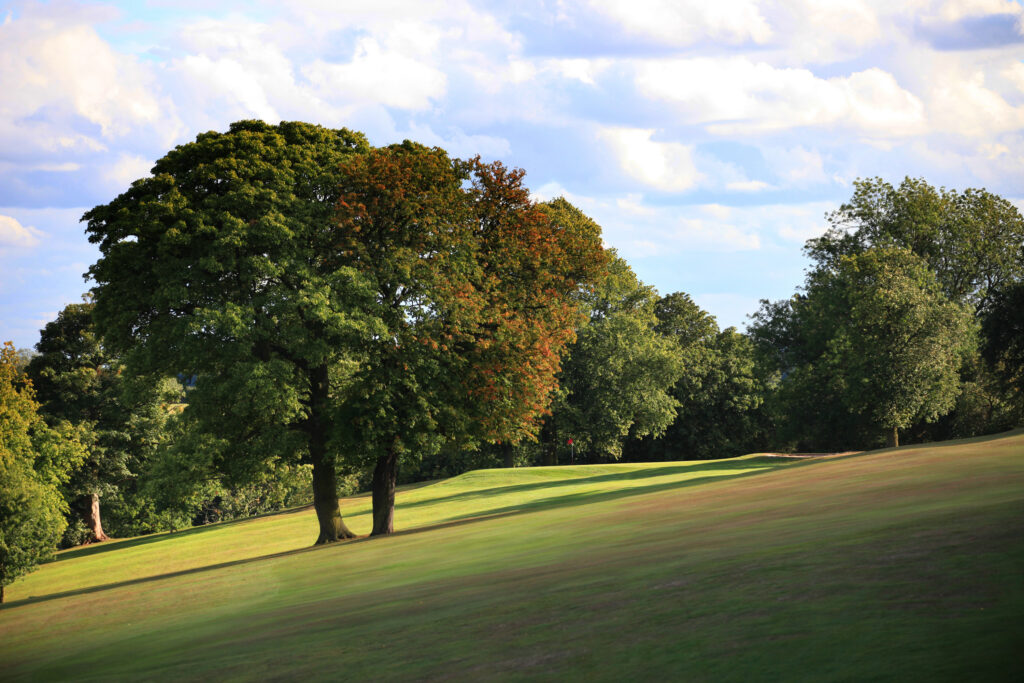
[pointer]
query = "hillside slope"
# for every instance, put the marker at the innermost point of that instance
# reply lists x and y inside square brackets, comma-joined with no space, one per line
[881,565]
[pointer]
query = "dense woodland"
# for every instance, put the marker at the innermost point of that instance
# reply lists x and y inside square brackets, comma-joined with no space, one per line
[284,314]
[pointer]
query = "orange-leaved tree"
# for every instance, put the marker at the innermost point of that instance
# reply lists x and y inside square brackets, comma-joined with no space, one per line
[475,293]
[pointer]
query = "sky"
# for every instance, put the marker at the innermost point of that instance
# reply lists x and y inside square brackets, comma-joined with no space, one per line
[709,139]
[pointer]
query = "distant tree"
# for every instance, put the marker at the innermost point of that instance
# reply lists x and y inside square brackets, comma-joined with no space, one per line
[34,461]
[472,285]
[719,391]
[221,264]
[119,421]
[888,344]
[1003,333]
[682,320]
[904,342]
[617,378]
[971,240]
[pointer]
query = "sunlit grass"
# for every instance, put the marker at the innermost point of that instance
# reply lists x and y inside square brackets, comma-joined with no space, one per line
[890,565]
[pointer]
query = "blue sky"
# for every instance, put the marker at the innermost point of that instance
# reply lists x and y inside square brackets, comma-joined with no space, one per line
[708,139]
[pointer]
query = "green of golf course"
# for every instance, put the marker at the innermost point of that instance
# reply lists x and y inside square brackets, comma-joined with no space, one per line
[902,564]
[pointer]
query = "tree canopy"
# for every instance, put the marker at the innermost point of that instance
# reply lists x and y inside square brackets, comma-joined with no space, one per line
[473,288]
[333,298]
[971,240]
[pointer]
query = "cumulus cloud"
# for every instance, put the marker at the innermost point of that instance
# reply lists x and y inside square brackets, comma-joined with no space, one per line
[666,166]
[683,22]
[58,74]
[738,96]
[14,234]
[377,75]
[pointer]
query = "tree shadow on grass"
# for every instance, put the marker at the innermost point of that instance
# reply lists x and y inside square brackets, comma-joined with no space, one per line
[761,463]
[555,501]
[119,544]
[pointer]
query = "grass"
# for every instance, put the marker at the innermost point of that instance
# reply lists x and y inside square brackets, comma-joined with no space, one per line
[886,565]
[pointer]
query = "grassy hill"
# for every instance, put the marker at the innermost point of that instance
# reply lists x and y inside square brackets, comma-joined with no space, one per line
[885,565]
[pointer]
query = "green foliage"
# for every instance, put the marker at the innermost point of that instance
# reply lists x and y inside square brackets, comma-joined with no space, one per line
[118,420]
[33,462]
[223,265]
[874,346]
[1003,330]
[720,391]
[970,243]
[971,240]
[616,381]
[903,343]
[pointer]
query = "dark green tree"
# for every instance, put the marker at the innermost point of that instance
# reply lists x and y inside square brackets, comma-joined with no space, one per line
[1003,333]
[120,421]
[971,240]
[881,349]
[719,392]
[616,381]
[221,264]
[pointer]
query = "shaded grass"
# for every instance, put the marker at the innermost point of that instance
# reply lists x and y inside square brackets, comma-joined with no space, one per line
[891,565]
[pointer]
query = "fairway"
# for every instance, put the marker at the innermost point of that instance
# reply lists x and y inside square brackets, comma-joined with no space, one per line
[898,564]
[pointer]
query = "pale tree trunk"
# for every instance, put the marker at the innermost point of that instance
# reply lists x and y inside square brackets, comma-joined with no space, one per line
[385,476]
[894,437]
[1,594]
[92,520]
[325,477]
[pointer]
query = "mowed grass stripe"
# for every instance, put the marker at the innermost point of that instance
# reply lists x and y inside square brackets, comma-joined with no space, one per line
[884,565]
[474,494]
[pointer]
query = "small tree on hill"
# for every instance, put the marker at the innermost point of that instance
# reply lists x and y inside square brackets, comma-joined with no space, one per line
[77,381]
[899,342]
[34,460]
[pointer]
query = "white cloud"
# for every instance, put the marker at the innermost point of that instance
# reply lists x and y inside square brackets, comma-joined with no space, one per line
[748,186]
[14,234]
[57,71]
[953,10]
[126,169]
[682,22]
[964,105]
[664,166]
[736,96]
[379,75]
[797,166]
[827,30]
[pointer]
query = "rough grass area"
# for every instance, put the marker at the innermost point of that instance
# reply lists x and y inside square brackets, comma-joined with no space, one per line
[894,565]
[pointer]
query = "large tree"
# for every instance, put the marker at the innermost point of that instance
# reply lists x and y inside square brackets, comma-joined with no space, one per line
[336,299]
[221,264]
[878,347]
[472,294]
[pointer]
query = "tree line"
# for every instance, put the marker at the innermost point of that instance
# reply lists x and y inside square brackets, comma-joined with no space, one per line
[283,314]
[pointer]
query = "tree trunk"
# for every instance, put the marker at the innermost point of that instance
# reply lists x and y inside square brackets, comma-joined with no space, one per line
[325,478]
[91,516]
[508,455]
[894,438]
[385,475]
[1,594]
